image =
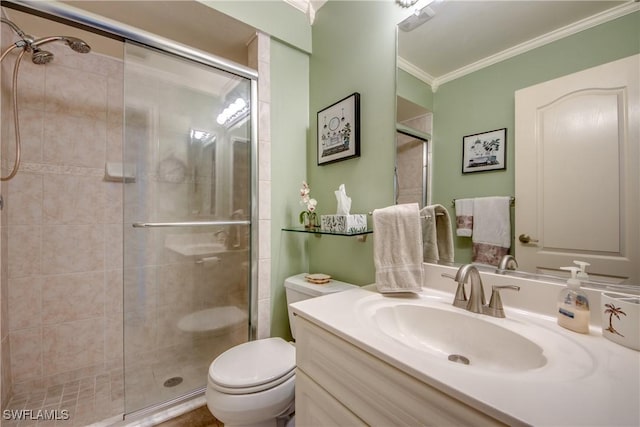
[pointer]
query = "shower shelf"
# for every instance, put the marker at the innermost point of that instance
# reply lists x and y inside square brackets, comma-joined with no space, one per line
[361,235]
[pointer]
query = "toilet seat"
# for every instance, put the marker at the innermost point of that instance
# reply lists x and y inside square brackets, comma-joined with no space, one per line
[253,366]
[213,320]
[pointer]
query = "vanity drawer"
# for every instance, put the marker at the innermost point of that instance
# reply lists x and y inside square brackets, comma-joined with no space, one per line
[316,407]
[373,390]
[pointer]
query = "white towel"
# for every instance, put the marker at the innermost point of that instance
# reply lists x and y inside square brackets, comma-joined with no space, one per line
[437,238]
[397,248]
[491,229]
[464,217]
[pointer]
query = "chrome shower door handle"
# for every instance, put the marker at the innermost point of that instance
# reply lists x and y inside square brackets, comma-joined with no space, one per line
[188,224]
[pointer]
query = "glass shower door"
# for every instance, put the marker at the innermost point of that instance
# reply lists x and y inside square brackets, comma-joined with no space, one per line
[187,207]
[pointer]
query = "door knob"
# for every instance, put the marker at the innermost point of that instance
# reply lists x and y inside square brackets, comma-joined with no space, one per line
[525,238]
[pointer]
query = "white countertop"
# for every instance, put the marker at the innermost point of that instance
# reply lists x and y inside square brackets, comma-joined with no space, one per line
[599,385]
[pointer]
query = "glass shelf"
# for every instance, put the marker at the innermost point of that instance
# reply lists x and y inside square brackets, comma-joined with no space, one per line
[318,232]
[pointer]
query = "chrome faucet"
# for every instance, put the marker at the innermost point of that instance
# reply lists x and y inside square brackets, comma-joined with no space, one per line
[469,272]
[507,262]
[476,302]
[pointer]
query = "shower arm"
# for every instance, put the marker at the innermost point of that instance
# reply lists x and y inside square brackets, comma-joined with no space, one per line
[45,40]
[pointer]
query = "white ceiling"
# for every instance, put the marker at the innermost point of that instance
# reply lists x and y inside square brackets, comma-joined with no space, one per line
[467,35]
[188,22]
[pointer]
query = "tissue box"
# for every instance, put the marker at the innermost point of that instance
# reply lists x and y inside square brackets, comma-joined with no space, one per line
[621,319]
[343,223]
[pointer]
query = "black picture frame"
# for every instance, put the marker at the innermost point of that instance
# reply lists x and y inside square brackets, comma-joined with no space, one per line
[485,151]
[338,130]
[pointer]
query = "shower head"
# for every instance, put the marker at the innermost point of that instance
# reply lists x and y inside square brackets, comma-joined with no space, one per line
[78,45]
[74,43]
[41,57]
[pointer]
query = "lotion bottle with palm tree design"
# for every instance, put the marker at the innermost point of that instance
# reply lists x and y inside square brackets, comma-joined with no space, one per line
[573,305]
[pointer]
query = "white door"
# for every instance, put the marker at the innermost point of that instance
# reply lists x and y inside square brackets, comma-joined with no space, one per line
[577,184]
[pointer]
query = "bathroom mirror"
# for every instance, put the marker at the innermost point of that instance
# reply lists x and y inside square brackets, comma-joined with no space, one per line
[465,60]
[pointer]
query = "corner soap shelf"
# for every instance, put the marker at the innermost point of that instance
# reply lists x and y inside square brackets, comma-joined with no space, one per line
[361,236]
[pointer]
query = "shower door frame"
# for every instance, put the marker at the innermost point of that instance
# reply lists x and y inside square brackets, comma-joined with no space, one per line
[70,15]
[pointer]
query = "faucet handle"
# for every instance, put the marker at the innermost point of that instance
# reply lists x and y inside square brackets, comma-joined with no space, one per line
[460,300]
[495,308]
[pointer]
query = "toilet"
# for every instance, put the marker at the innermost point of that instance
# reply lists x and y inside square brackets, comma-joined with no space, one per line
[252,384]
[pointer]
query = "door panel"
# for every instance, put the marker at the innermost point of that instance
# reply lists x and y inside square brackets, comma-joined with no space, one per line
[577,171]
[186,223]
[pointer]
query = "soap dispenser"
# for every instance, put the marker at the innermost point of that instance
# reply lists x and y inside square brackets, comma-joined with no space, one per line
[573,305]
[582,274]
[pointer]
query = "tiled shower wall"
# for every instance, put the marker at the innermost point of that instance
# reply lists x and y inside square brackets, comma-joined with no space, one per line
[259,59]
[64,221]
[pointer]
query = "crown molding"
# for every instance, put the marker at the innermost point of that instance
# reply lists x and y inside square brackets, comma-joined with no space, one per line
[576,27]
[308,7]
[416,72]
[301,5]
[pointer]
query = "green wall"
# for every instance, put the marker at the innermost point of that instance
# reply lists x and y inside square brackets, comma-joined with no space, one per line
[414,90]
[484,101]
[289,124]
[354,50]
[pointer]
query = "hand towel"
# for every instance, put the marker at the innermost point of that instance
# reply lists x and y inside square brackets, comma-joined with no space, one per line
[464,217]
[445,234]
[429,234]
[397,248]
[491,229]
[437,237]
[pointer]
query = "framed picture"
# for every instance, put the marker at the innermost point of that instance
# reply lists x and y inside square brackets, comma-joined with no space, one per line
[339,130]
[484,151]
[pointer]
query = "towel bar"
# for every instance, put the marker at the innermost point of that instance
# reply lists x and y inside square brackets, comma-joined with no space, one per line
[512,201]
[421,216]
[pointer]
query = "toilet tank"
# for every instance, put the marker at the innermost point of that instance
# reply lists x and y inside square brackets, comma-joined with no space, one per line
[297,289]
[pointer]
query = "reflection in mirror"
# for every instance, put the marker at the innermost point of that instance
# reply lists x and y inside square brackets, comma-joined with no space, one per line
[411,168]
[412,152]
[241,177]
[202,160]
[472,65]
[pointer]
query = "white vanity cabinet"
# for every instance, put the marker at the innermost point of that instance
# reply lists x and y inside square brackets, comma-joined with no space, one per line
[338,384]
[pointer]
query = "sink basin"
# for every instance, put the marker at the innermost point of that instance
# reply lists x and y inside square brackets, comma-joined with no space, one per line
[459,337]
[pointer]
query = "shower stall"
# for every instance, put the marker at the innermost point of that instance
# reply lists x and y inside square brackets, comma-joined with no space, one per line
[127,226]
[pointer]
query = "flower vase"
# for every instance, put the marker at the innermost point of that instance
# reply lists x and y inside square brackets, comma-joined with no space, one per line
[310,221]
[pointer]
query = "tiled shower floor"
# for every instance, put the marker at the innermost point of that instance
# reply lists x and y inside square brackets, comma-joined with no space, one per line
[100,398]
[76,403]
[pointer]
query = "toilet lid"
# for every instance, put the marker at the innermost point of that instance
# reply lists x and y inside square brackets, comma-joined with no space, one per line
[254,364]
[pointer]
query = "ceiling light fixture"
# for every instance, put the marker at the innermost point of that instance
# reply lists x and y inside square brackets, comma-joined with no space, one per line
[417,18]
[406,3]
[235,111]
